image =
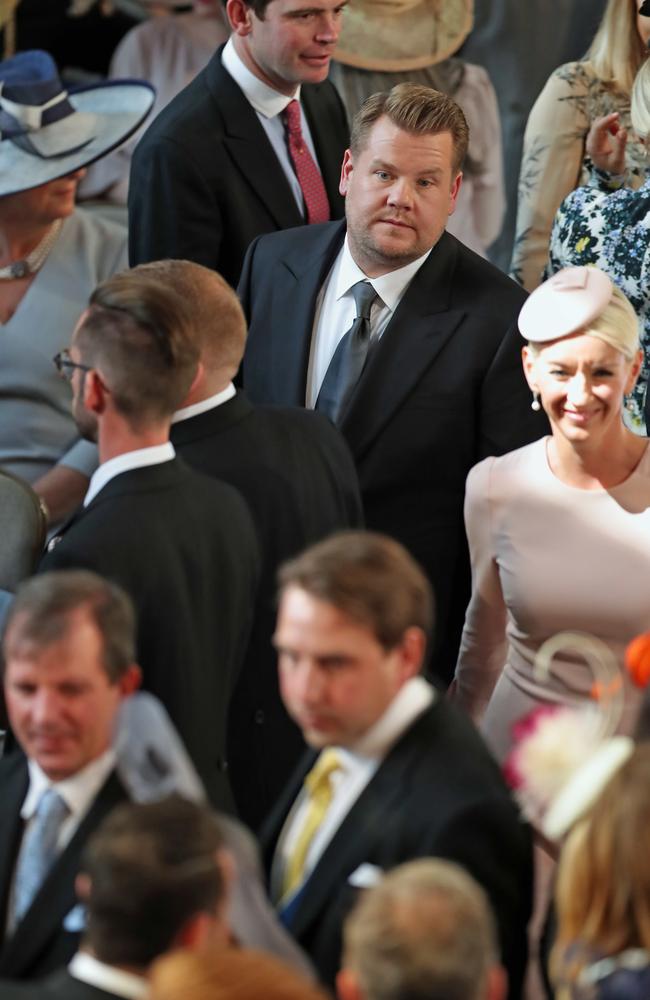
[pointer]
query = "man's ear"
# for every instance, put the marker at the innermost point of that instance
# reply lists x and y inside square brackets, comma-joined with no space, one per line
[347,985]
[130,680]
[94,392]
[240,16]
[346,172]
[82,887]
[412,648]
[453,194]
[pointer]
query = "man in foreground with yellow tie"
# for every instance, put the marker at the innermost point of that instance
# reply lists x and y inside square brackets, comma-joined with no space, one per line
[398,773]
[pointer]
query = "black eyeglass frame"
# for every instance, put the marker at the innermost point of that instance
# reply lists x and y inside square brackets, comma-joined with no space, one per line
[65,365]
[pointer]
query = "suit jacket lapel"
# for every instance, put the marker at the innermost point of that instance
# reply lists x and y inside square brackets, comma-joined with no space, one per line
[251,151]
[299,281]
[56,896]
[352,842]
[14,790]
[419,329]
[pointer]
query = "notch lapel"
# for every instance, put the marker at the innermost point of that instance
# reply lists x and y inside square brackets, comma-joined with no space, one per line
[419,329]
[56,897]
[364,825]
[300,279]
[324,128]
[251,152]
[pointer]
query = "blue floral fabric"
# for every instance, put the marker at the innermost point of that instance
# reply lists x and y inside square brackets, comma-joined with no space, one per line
[610,228]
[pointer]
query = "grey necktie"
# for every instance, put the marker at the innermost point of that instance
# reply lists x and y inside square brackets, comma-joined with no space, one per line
[38,850]
[349,357]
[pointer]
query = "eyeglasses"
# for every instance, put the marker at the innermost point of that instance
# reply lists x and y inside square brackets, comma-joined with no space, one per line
[66,366]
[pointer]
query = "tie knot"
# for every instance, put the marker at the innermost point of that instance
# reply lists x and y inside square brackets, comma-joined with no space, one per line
[292,118]
[364,296]
[52,807]
[320,774]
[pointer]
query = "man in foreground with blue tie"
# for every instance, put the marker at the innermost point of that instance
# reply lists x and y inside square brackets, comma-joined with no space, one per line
[395,773]
[69,662]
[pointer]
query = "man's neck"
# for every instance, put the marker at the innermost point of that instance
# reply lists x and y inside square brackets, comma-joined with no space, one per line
[243,51]
[120,440]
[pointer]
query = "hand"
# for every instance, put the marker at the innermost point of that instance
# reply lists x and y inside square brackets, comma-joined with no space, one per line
[606,144]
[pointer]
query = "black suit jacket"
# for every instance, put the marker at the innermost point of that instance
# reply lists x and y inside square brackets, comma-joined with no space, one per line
[437,793]
[184,547]
[296,474]
[443,389]
[39,944]
[205,180]
[59,986]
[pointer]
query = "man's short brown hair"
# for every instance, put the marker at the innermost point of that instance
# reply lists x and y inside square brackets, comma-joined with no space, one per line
[369,577]
[416,109]
[40,615]
[217,321]
[152,867]
[425,932]
[137,334]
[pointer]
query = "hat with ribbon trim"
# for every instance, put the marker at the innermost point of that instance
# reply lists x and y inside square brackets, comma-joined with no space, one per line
[47,131]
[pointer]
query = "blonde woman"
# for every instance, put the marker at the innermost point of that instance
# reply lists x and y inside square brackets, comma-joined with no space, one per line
[602,949]
[559,531]
[553,162]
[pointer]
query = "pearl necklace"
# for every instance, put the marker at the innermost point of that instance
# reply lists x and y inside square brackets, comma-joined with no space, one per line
[34,260]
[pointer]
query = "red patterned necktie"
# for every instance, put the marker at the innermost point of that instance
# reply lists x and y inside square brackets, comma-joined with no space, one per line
[309,177]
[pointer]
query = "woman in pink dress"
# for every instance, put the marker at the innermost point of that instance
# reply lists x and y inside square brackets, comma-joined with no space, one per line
[559,531]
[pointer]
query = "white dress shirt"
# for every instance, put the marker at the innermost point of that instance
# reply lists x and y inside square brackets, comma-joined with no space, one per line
[205,404]
[88,969]
[336,310]
[137,459]
[268,104]
[359,763]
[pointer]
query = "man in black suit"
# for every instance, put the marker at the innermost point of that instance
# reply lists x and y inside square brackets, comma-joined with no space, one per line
[430,380]
[181,544]
[152,879]
[69,662]
[223,162]
[297,476]
[397,772]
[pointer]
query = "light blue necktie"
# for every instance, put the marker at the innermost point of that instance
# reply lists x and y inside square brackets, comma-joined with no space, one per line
[38,850]
[349,357]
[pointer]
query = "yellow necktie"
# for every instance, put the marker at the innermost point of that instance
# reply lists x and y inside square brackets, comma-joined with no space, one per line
[318,784]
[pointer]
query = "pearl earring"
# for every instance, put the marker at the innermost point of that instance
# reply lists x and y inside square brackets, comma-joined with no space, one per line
[536,405]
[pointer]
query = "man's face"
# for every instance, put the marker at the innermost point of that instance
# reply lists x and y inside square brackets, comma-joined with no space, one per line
[336,679]
[399,191]
[60,700]
[293,43]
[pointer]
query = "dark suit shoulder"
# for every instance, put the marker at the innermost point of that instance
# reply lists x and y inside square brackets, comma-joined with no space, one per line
[59,986]
[195,104]
[477,279]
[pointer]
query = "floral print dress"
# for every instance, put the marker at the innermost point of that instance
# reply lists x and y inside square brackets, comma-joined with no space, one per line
[553,159]
[609,226]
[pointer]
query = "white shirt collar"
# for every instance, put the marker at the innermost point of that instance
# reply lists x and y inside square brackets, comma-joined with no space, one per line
[264,99]
[137,459]
[205,404]
[88,969]
[389,287]
[410,701]
[78,791]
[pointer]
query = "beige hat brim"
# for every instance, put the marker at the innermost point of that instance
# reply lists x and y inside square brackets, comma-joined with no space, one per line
[400,35]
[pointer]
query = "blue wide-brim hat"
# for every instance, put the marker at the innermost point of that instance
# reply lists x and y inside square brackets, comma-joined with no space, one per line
[47,131]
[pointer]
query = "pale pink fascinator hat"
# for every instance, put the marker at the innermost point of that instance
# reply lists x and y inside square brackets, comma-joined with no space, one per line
[580,299]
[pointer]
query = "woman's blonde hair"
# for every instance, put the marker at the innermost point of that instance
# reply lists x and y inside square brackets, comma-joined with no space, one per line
[617,50]
[228,974]
[640,110]
[603,886]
